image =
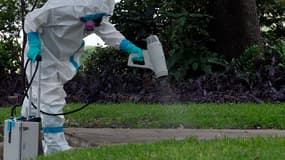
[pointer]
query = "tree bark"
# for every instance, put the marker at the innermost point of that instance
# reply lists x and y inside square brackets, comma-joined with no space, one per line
[235,26]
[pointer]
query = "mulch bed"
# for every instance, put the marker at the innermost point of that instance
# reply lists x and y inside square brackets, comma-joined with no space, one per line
[214,88]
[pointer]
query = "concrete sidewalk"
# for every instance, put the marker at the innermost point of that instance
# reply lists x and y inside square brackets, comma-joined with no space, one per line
[83,137]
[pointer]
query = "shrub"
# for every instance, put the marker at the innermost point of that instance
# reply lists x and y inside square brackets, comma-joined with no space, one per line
[106,77]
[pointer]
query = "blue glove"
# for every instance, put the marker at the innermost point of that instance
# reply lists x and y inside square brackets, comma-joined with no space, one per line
[34,46]
[130,48]
[94,17]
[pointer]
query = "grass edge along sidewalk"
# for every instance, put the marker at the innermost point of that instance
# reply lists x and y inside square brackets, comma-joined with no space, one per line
[206,116]
[218,116]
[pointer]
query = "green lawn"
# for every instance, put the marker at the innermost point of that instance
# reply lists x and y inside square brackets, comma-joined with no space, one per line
[241,116]
[192,149]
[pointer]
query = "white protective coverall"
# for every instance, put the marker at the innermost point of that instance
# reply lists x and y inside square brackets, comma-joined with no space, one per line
[61,34]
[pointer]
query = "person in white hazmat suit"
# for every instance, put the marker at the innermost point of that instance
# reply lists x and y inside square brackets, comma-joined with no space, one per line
[55,32]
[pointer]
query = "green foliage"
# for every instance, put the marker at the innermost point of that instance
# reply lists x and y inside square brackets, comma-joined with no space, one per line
[9,32]
[246,62]
[187,38]
[276,50]
[85,57]
[9,18]
[9,58]
[272,17]
[137,19]
[100,60]
[189,53]
[279,49]
[9,61]
[243,67]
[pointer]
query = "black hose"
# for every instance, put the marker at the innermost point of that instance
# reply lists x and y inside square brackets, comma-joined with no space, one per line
[64,113]
[13,110]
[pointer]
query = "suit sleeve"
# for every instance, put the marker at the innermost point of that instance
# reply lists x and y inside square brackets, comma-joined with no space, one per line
[35,20]
[109,34]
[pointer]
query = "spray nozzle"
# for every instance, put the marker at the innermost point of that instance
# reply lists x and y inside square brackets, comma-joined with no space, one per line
[138,62]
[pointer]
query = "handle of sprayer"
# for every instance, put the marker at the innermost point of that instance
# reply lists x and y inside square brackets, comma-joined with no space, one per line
[30,93]
[147,63]
[39,58]
[39,88]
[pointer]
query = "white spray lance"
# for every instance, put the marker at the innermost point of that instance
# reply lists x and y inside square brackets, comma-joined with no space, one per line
[154,58]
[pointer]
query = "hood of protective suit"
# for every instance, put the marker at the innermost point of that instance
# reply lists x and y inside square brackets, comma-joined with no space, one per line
[104,6]
[108,6]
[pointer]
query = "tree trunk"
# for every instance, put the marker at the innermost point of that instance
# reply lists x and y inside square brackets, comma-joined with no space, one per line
[235,26]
